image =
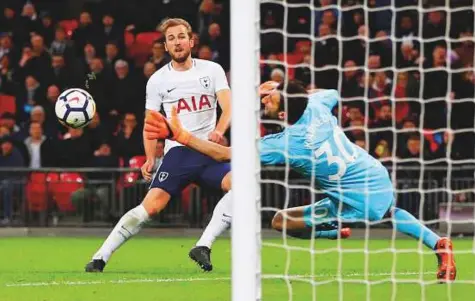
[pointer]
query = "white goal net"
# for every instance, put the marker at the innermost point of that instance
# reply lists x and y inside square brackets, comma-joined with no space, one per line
[404,72]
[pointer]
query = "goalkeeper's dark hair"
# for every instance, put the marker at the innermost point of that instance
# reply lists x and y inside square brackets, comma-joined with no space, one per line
[293,100]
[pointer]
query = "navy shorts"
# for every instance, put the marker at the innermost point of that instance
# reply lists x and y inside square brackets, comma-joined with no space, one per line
[182,166]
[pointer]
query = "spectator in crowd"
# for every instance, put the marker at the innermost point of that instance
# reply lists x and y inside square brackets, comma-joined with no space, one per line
[28,97]
[40,60]
[89,53]
[217,43]
[436,89]
[304,74]
[6,44]
[434,27]
[159,57]
[61,45]
[129,138]
[351,76]
[383,123]
[272,64]
[8,120]
[407,56]
[383,48]
[11,23]
[277,75]
[326,54]
[46,28]
[148,70]
[381,86]
[111,56]
[86,33]
[206,16]
[7,76]
[41,149]
[406,26]
[76,149]
[194,50]
[10,157]
[360,141]
[413,147]
[29,17]
[52,94]
[60,74]
[205,53]
[98,132]
[126,92]
[111,32]
[49,126]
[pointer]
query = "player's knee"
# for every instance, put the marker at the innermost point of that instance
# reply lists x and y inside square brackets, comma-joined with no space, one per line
[226,182]
[155,200]
[277,221]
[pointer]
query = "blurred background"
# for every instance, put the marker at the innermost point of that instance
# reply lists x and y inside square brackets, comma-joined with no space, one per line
[405,74]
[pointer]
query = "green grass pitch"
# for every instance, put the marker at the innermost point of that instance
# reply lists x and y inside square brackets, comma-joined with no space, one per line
[51,269]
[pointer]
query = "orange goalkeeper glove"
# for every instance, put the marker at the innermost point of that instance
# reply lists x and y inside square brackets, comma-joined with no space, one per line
[158,127]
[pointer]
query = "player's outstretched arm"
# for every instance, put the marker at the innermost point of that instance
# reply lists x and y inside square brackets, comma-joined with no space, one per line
[157,127]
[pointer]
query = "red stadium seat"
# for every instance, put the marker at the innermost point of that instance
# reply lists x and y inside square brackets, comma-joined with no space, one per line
[36,192]
[291,59]
[62,186]
[7,104]
[139,53]
[129,38]
[147,38]
[131,177]
[69,26]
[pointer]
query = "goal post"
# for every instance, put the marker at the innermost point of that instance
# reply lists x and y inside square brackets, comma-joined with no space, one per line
[245,164]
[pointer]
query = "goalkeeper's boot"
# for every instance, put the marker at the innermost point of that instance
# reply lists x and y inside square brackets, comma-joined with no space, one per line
[202,256]
[447,270]
[95,266]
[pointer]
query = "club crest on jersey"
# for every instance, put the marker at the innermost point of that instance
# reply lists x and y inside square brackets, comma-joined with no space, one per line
[162,176]
[205,82]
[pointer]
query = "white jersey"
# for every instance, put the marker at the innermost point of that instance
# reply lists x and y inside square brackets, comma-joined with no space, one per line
[192,92]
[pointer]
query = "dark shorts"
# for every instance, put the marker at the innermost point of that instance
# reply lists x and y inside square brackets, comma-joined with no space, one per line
[182,166]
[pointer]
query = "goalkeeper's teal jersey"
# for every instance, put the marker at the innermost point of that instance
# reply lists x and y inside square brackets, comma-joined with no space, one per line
[317,148]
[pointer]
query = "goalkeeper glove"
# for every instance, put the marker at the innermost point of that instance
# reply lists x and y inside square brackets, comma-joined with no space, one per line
[158,127]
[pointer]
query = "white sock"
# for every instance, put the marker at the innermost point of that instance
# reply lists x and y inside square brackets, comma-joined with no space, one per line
[129,225]
[220,221]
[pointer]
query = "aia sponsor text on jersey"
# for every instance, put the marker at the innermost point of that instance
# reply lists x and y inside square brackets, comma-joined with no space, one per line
[193,104]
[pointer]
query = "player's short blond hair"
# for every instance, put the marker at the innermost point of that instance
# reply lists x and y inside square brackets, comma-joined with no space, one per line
[172,22]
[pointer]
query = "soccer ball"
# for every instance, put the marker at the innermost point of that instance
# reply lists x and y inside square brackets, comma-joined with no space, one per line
[75,108]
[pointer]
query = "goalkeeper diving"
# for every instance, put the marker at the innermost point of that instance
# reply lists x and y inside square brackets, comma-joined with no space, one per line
[357,186]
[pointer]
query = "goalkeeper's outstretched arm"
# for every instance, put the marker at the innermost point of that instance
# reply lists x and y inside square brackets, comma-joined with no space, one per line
[214,150]
[157,127]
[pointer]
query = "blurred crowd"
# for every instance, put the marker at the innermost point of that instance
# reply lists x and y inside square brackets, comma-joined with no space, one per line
[405,73]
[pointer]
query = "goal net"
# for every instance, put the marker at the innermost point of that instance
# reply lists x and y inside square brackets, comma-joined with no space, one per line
[404,72]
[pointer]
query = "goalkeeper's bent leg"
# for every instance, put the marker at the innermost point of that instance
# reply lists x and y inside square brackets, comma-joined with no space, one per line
[406,223]
[131,222]
[299,221]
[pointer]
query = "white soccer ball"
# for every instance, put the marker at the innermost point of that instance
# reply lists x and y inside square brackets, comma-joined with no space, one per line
[75,108]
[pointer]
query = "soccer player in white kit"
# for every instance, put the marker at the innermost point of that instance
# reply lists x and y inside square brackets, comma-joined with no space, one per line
[194,87]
